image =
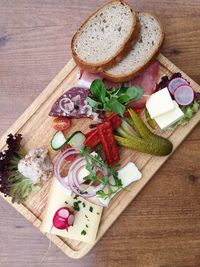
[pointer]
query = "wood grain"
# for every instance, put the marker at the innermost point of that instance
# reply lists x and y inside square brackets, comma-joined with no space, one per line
[160,228]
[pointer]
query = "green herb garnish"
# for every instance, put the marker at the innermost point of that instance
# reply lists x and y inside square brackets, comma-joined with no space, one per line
[76,206]
[95,160]
[86,225]
[91,209]
[83,205]
[83,232]
[112,99]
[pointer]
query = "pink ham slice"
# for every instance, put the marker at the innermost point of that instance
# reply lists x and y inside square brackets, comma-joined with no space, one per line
[86,78]
[148,82]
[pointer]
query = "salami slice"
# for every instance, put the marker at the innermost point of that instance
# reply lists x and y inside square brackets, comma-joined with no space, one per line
[77,96]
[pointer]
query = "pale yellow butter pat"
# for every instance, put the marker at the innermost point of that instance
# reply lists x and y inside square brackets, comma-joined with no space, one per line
[168,119]
[159,103]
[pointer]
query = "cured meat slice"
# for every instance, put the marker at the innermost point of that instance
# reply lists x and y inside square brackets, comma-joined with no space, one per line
[86,78]
[78,97]
[148,79]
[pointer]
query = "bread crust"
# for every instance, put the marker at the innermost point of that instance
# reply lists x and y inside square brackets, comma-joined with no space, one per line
[122,51]
[137,71]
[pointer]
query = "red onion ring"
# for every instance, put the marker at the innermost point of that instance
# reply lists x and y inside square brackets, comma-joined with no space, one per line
[57,165]
[72,184]
[73,180]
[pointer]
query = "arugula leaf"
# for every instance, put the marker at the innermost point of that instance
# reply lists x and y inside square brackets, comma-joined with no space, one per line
[96,160]
[115,106]
[98,90]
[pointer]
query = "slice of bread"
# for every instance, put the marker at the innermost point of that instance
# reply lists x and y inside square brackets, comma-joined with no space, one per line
[147,47]
[106,36]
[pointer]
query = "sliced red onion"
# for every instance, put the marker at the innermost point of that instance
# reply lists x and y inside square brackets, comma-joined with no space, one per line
[58,163]
[66,105]
[72,183]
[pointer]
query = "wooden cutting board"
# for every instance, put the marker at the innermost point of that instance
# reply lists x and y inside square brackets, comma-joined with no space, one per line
[35,125]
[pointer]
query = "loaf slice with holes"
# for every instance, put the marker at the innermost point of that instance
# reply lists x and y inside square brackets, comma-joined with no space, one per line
[145,50]
[105,37]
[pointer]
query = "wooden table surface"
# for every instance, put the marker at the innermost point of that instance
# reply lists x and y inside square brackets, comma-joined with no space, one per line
[162,225]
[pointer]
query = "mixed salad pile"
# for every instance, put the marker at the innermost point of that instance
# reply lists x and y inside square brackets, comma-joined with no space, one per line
[122,115]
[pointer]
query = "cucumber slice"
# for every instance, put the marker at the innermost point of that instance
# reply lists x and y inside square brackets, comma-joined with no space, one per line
[76,140]
[58,141]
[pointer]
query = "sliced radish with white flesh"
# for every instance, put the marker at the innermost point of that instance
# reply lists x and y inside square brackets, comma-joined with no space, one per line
[63,218]
[63,213]
[175,83]
[184,95]
[71,219]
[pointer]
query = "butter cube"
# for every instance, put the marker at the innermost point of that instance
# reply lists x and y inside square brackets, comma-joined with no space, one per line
[159,103]
[166,120]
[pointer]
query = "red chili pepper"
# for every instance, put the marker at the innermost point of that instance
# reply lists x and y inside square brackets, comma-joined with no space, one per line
[90,133]
[115,121]
[92,137]
[108,141]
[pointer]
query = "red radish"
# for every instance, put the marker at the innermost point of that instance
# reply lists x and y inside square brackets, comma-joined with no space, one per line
[175,83]
[63,218]
[184,95]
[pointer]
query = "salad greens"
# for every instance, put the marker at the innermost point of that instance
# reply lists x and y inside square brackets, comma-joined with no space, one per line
[112,99]
[12,182]
[94,160]
[189,112]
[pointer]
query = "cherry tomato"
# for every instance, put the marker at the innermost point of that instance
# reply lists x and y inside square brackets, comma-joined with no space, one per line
[71,157]
[61,124]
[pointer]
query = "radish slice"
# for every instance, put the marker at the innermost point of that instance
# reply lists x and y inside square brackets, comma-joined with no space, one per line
[71,219]
[184,95]
[175,83]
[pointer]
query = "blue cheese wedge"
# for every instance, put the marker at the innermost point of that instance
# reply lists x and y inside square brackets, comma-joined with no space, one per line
[168,119]
[160,103]
[87,219]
